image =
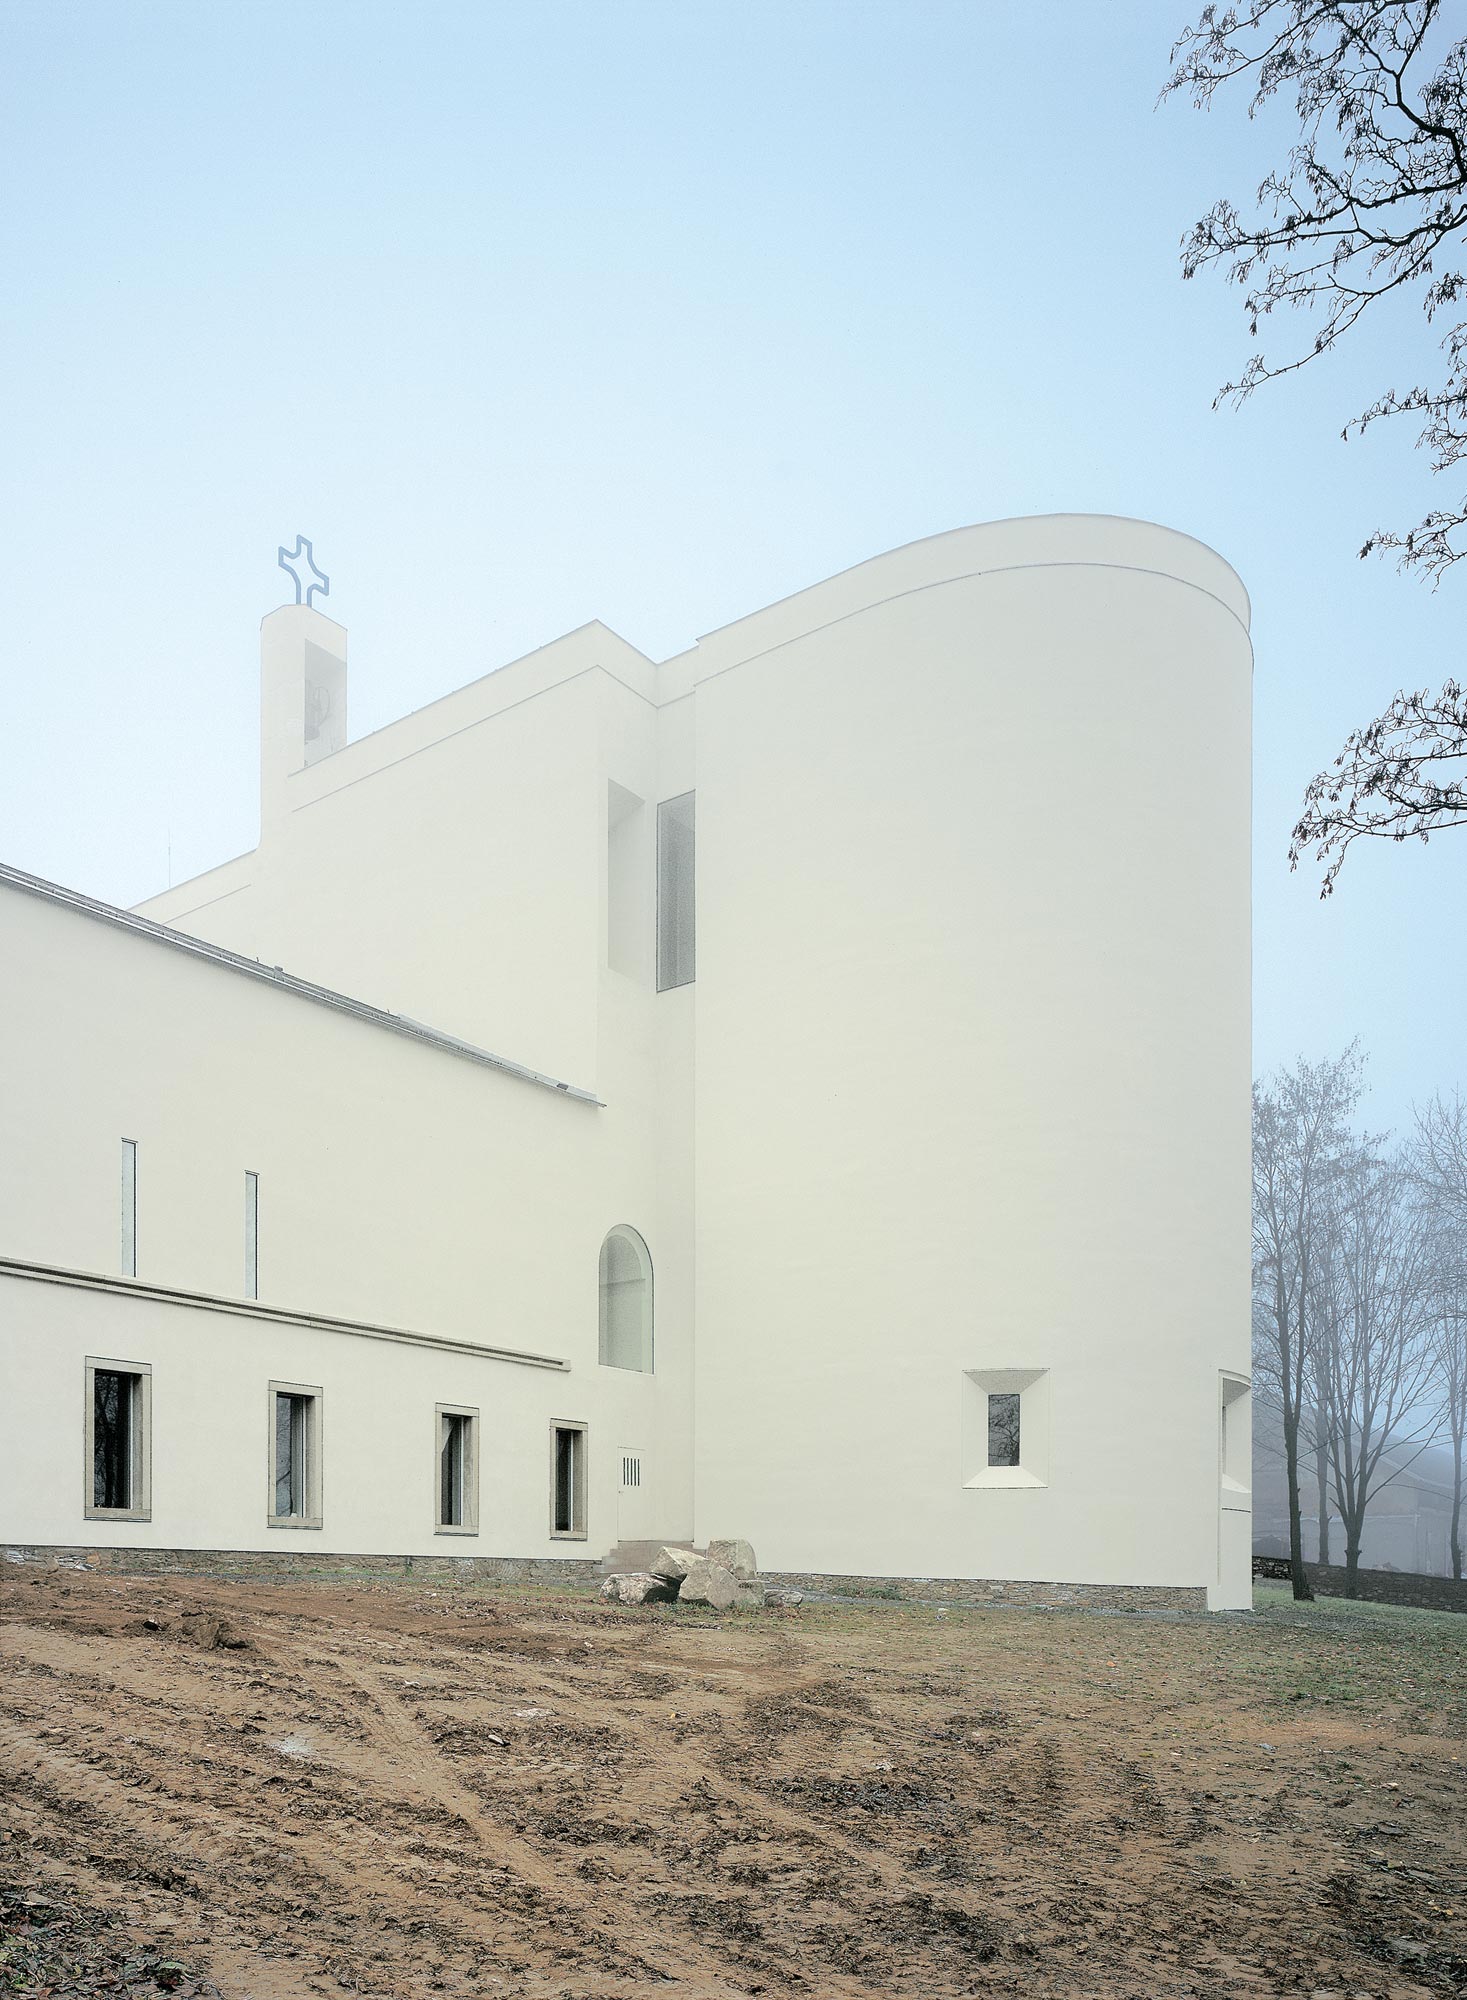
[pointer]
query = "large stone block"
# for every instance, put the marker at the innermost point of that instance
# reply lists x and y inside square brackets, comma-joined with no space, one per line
[640,1587]
[711,1584]
[737,1556]
[673,1563]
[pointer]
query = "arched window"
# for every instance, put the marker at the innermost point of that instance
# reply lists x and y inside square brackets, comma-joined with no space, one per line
[626,1301]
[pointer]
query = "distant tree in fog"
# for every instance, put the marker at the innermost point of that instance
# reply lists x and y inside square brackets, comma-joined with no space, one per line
[1371,1331]
[1440,1160]
[1302,1142]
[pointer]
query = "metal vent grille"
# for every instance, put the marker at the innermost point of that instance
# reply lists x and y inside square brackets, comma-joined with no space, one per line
[631,1471]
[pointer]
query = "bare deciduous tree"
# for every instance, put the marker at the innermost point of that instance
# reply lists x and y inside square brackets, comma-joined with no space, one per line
[1369,205]
[1301,1141]
[1440,1159]
[1371,1333]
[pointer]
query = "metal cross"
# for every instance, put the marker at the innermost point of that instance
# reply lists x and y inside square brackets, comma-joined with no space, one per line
[304,591]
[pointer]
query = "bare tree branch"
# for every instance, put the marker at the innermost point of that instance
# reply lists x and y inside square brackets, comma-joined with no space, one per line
[1369,205]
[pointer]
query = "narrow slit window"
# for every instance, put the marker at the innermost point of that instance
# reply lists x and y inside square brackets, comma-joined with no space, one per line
[118,1444]
[568,1480]
[628,931]
[252,1237]
[1003,1429]
[295,1460]
[458,1471]
[129,1208]
[675,898]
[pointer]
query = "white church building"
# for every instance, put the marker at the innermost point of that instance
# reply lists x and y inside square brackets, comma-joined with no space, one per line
[798,1089]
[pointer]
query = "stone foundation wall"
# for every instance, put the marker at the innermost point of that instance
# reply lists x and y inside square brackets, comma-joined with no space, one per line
[970,1591]
[1373,1586]
[569,1573]
[581,1573]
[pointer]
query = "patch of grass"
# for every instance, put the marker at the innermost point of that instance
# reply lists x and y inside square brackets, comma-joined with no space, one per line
[1268,1596]
[1404,1667]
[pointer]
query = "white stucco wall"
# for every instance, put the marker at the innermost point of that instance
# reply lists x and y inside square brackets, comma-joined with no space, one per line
[973,905]
[961,1088]
[398,1185]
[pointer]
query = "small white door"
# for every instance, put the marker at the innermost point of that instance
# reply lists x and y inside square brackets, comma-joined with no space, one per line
[633,1496]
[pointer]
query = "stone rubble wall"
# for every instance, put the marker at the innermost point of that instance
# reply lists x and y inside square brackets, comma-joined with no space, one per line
[572,1573]
[1373,1586]
[567,1572]
[977,1591]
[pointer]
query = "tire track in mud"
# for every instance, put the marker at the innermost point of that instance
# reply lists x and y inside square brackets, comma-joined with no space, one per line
[92,1810]
[874,1871]
[403,1743]
[411,1742]
[740,1794]
[96,1831]
[1038,1790]
[696,1771]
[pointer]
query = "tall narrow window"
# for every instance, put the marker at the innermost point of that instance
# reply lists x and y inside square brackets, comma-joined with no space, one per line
[675,900]
[295,1456]
[568,1480]
[626,1302]
[118,1441]
[252,1236]
[129,1208]
[458,1470]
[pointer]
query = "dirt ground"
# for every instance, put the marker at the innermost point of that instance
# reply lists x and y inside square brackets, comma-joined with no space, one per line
[395,1790]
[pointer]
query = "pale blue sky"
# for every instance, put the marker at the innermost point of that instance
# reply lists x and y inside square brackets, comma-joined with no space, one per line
[648,312]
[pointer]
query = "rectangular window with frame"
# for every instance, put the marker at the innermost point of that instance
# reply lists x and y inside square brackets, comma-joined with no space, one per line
[295,1455]
[252,1237]
[129,1208]
[119,1449]
[676,914]
[568,1481]
[457,1432]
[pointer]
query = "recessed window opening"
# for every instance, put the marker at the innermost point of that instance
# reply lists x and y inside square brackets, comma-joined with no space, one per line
[129,1208]
[295,1456]
[451,1473]
[625,1284]
[1235,1441]
[1003,1429]
[118,1446]
[114,1437]
[675,892]
[458,1470]
[292,1417]
[252,1236]
[568,1480]
[628,902]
